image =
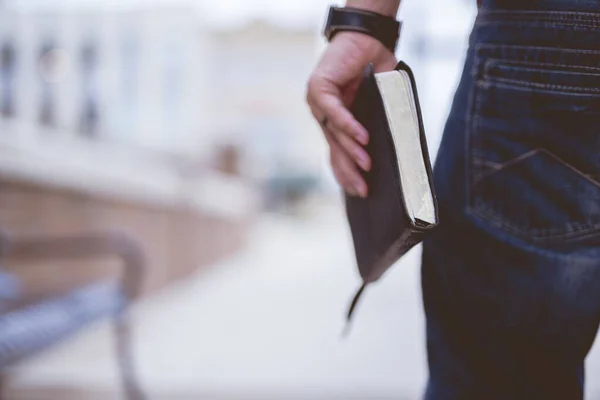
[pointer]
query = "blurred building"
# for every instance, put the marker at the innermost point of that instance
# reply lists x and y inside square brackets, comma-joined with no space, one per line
[105,124]
[133,77]
[259,72]
[259,75]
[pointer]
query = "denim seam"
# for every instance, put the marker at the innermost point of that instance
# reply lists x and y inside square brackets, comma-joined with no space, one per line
[538,233]
[496,57]
[566,18]
[471,120]
[500,166]
[540,23]
[532,66]
[535,234]
[481,46]
[541,88]
[547,86]
[582,175]
[576,227]
[544,14]
[544,17]
[488,163]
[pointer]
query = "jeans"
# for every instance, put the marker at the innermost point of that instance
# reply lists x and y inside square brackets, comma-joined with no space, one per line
[511,278]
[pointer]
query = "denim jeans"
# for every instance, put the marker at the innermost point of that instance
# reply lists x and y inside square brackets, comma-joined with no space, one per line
[511,278]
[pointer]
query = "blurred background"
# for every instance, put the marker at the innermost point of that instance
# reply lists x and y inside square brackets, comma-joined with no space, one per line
[159,155]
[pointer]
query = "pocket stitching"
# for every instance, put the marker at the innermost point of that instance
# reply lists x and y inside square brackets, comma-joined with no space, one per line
[542,24]
[539,234]
[487,76]
[485,46]
[487,52]
[572,168]
[542,86]
[483,161]
[501,166]
[501,61]
[574,19]
[487,83]
[565,18]
[536,235]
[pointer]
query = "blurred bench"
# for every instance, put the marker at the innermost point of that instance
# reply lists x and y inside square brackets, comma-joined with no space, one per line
[30,325]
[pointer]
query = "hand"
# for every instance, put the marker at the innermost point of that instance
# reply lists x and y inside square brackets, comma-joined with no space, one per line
[331,90]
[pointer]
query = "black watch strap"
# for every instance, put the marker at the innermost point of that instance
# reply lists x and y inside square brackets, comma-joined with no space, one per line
[381,27]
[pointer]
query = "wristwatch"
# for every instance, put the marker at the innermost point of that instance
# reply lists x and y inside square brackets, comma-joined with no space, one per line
[382,27]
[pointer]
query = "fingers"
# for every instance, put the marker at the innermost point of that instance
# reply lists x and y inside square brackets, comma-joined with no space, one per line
[345,170]
[325,99]
[344,134]
[355,151]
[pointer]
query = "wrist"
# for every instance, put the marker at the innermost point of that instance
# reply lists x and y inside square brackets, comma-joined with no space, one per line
[384,7]
[361,42]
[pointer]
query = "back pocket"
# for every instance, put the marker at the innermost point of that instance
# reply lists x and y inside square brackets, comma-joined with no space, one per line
[534,143]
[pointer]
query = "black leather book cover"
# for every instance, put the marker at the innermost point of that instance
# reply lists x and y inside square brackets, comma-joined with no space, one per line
[382,230]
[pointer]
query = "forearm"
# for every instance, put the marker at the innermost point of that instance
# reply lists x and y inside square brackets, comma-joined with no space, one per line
[385,7]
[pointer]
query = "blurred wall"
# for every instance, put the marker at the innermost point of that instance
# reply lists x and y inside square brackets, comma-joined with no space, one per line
[258,79]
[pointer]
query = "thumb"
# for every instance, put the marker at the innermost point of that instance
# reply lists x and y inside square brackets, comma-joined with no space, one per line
[386,62]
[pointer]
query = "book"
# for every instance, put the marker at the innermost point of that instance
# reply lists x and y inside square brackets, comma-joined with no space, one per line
[401,207]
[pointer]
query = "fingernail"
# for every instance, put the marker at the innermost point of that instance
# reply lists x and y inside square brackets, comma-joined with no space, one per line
[363,138]
[360,189]
[363,160]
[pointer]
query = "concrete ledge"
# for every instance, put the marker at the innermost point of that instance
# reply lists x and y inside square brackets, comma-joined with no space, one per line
[177,240]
